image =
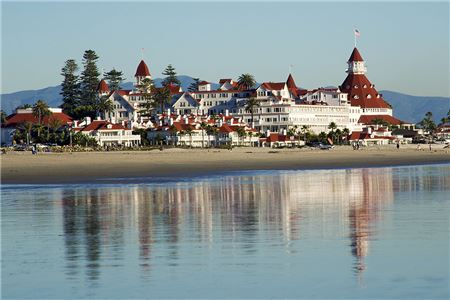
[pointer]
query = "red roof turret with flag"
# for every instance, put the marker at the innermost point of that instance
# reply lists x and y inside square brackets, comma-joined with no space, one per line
[142,70]
[360,90]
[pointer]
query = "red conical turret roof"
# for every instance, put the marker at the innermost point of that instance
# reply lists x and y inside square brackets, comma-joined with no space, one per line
[142,70]
[355,56]
[290,82]
[102,87]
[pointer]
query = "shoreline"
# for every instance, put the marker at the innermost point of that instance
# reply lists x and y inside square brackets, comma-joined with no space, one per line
[142,166]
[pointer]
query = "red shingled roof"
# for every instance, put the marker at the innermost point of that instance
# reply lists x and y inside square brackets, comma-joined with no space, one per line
[102,87]
[355,56]
[291,83]
[358,85]
[277,86]
[174,89]
[369,119]
[142,69]
[102,125]
[19,118]
[276,137]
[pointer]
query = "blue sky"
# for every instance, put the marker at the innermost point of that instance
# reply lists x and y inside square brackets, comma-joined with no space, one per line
[405,44]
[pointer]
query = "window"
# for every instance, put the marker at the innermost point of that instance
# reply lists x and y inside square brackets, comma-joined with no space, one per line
[355,86]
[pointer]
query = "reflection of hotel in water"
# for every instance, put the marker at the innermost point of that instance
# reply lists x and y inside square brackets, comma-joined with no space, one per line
[294,205]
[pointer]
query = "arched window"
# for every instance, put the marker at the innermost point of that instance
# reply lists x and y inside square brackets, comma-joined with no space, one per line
[355,97]
[365,86]
[355,86]
[369,96]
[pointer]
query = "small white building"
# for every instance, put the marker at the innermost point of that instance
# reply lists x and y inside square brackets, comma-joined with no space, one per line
[107,133]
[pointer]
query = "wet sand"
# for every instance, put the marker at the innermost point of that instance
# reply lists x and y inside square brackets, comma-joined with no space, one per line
[94,167]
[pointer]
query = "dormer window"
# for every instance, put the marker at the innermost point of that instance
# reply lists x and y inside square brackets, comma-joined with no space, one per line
[355,86]
[372,85]
[365,86]
[378,95]
[355,97]
[369,96]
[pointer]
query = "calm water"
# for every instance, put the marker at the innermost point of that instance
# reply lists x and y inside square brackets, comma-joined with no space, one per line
[358,233]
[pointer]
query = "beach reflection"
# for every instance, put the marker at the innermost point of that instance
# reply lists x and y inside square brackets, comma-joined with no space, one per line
[236,211]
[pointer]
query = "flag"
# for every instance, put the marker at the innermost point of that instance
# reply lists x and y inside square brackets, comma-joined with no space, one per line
[357,33]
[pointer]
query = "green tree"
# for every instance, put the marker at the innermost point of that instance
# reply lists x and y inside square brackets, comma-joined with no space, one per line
[332,126]
[24,106]
[193,87]
[345,133]
[2,117]
[161,97]
[305,130]
[189,132]
[241,133]
[171,76]
[54,125]
[250,106]
[114,79]
[27,129]
[322,137]
[89,83]
[104,106]
[427,123]
[41,110]
[70,88]
[147,88]
[246,81]
[203,127]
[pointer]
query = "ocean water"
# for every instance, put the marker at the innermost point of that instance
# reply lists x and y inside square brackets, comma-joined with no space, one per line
[353,233]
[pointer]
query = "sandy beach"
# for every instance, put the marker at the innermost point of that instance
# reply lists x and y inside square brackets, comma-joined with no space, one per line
[91,167]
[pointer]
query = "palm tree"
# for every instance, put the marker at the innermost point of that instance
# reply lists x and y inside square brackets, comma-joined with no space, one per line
[322,136]
[345,133]
[338,134]
[332,126]
[104,105]
[246,81]
[54,124]
[241,132]
[27,127]
[203,126]
[173,133]
[189,131]
[305,130]
[41,110]
[250,105]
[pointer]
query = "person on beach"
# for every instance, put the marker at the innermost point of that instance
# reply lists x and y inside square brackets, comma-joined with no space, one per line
[398,145]
[33,149]
[418,147]
[429,146]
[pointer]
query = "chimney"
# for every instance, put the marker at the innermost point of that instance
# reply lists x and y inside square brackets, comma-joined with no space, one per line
[98,118]
[227,112]
[88,120]
[168,111]
[232,121]
[123,123]
[75,123]
[267,132]
[170,121]
[186,120]
[284,132]
[220,122]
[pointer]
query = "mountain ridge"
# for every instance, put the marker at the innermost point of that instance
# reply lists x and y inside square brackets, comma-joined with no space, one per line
[406,107]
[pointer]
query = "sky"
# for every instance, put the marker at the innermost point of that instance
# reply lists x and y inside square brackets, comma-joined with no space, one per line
[405,44]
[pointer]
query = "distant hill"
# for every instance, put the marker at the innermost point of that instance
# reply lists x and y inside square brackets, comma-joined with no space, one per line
[51,94]
[406,107]
[413,108]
